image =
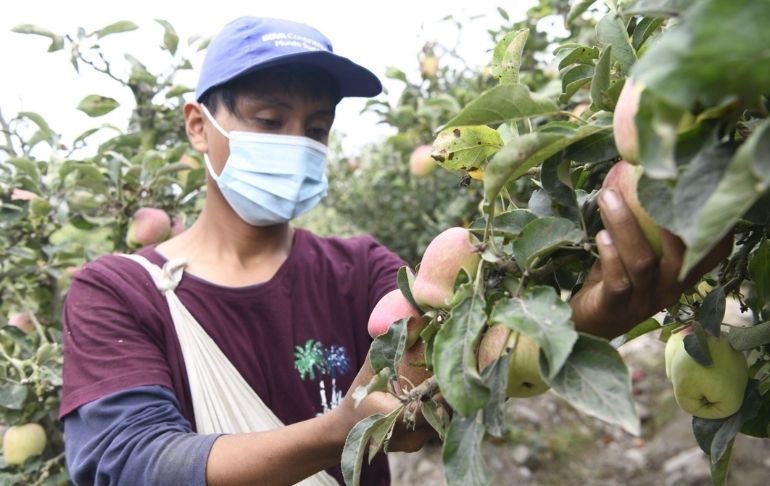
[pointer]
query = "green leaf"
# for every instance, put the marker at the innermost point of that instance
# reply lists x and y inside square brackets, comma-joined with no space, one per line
[601,82]
[569,54]
[743,183]
[696,345]
[465,147]
[496,377]
[454,357]
[745,338]
[387,349]
[436,415]
[644,29]
[715,53]
[611,31]
[576,9]
[405,280]
[659,8]
[644,327]
[45,130]
[463,461]
[178,90]
[542,237]
[759,270]
[34,30]
[526,151]
[595,148]
[115,28]
[595,380]
[573,79]
[381,432]
[712,311]
[139,72]
[170,37]
[503,103]
[553,174]
[507,57]
[541,315]
[13,396]
[355,447]
[507,224]
[97,105]
[699,180]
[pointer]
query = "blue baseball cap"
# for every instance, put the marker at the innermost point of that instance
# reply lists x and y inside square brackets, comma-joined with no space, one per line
[249,44]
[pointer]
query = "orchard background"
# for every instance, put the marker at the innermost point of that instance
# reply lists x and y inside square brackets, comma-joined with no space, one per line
[535,142]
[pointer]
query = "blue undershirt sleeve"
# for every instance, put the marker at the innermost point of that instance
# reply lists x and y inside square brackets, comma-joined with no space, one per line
[135,437]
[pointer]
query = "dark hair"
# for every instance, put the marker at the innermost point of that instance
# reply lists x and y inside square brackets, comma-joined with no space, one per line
[295,78]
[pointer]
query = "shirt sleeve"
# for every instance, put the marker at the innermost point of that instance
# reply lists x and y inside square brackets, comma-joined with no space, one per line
[112,333]
[135,436]
[383,271]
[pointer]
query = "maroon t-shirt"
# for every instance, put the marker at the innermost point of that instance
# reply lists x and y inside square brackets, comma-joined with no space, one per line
[297,339]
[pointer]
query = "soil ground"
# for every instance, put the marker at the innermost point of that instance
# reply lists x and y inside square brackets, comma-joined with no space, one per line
[553,445]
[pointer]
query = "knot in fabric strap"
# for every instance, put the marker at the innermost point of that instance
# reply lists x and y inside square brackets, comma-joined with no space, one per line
[171,274]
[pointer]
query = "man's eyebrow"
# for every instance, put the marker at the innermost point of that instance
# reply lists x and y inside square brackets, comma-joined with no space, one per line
[281,102]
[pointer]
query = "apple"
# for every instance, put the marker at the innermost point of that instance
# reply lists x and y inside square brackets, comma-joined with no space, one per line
[420,162]
[623,123]
[451,251]
[21,320]
[675,343]
[178,224]
[524,378]
[190,162]
[148,226]
[21,442]
[623,177]
[709,392]
[429,67]
[390,308]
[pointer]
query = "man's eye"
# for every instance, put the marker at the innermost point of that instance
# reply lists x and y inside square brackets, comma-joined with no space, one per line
[318,132]
[269,122]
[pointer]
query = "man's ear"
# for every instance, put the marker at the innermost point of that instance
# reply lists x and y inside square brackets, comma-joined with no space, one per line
[194,126]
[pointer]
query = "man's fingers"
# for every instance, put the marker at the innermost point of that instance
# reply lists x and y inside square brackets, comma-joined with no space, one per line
[636,254]
[615,282]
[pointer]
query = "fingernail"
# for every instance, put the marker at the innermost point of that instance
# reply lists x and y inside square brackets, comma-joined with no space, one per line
[611,199]
[604,238]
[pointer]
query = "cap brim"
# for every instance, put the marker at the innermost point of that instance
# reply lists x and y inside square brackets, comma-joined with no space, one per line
[352,79]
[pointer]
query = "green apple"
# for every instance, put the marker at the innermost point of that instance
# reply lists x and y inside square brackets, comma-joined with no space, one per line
[21,442]
[708,392]
[675,343]
[524,378]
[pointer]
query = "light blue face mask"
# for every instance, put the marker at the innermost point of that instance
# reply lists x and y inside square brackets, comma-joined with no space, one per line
[270,179]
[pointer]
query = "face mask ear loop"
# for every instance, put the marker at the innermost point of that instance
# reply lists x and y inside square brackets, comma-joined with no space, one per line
[221,130]
[214,121]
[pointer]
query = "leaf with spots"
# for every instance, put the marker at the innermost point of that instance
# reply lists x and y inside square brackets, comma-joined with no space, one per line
[466,147]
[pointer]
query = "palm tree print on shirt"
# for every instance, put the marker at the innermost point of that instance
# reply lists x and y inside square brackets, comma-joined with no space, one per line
[312,359]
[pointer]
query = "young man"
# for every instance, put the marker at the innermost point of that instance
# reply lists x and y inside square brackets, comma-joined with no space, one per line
[283,308]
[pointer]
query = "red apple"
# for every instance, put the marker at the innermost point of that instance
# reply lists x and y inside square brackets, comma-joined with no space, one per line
[623,177]
[392,307]
[449,252]
[148,226]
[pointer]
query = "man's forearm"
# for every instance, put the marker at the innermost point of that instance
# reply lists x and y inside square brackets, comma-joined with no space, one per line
[282,456]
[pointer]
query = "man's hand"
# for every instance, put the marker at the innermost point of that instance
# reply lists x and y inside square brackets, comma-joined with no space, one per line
[628,284]
[403,439]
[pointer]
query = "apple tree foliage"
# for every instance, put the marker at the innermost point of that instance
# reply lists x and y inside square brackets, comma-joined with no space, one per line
[704,138]
[64,202]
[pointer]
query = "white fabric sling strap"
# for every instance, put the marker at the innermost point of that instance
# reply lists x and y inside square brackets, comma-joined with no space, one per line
[222,400]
